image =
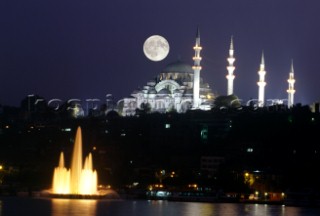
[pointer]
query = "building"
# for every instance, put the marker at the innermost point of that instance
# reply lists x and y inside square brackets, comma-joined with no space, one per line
[171,90]
[179,87]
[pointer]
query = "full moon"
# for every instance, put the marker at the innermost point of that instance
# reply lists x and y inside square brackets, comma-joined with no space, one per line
[156,48]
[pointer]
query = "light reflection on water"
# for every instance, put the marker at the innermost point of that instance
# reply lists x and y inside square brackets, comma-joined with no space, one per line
[228,209]
[74,207]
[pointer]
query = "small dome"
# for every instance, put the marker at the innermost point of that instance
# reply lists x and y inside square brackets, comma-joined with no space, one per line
[164,91]
[152,91]
[188,92]
[204,85]
[176,91]
[151,83]
[137,91]
[178,67]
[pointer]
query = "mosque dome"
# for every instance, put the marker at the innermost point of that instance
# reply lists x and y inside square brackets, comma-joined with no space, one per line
[151,83]
[176,91]
[178,67]
[137,91]
[188,92]
[152,91]
[164,91]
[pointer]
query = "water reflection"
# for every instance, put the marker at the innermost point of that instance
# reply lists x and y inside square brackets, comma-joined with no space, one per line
[73,207]
[260,210]
[227,209]
[199,209]
[296,211]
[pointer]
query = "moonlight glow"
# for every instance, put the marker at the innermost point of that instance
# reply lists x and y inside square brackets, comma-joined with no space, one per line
[156,48]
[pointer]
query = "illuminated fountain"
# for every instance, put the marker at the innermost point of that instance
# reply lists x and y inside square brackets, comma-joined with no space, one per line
[78,180]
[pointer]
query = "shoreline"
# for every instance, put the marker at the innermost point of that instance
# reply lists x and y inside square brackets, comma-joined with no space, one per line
[209,199]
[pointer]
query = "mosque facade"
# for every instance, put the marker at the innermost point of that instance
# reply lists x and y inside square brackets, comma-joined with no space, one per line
[171,90]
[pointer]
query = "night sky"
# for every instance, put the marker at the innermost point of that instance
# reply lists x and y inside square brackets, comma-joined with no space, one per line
[64,49]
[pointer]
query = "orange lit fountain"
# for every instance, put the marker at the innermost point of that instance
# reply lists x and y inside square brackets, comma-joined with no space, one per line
[78,181]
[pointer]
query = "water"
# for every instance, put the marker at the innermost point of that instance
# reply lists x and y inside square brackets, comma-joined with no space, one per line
[26,206]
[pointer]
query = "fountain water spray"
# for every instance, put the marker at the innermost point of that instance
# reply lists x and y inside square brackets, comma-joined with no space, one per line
[78,180]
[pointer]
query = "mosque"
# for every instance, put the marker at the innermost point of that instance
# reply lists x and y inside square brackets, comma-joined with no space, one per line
[179,87]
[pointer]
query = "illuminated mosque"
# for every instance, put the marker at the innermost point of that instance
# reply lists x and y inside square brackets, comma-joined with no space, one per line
[179,87]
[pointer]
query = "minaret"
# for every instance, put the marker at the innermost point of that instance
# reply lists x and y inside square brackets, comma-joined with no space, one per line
[196,68]
[261,82]
[230,77]
[291,90]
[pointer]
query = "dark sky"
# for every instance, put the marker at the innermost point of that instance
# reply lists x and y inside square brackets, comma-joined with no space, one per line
[64,49]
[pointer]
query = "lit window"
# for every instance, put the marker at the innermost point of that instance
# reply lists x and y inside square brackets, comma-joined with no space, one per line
[167,126]
[66,129]
[249,149]
[204,133]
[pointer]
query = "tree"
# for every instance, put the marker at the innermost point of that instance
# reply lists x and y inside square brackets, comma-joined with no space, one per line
[230,101]
[145,107]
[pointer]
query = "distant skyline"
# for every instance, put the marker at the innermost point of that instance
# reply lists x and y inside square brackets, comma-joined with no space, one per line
[88,49]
